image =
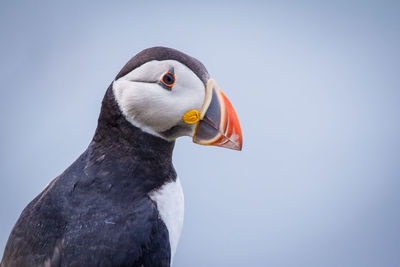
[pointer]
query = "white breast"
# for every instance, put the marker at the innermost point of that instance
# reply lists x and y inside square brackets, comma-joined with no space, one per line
[170,205]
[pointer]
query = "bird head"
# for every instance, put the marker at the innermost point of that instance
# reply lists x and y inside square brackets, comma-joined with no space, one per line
[169,94]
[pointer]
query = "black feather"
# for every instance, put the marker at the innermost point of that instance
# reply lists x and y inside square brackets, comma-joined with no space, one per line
[98,213]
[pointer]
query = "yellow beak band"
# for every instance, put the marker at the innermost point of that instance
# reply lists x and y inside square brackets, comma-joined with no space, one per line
[191,117]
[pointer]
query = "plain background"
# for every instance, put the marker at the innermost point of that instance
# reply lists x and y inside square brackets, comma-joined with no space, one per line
[316,85]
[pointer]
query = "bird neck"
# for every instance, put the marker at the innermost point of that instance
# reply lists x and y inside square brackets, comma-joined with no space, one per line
[133,154]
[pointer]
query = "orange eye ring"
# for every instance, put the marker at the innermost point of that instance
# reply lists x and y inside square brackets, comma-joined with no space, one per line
[168,79]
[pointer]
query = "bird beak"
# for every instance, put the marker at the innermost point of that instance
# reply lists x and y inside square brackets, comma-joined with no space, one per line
[218,123]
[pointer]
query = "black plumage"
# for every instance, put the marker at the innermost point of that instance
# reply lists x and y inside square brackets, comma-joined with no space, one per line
[98,212]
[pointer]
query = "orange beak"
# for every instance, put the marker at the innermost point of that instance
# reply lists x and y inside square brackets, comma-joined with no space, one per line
[219,124]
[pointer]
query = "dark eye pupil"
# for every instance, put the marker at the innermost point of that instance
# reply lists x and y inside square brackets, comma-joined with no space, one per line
[168,79]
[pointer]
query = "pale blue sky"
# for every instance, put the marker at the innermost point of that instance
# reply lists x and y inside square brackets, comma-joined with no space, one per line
[316,85]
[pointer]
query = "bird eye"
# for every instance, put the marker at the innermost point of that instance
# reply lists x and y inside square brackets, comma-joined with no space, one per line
[168,80]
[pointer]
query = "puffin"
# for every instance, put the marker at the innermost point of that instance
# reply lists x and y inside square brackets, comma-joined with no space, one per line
[121,202]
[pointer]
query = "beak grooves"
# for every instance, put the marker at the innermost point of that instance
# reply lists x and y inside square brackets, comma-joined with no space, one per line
[219,124]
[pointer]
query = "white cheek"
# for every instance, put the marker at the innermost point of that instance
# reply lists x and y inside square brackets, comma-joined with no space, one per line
[148,105]
[138,105]
[189,91]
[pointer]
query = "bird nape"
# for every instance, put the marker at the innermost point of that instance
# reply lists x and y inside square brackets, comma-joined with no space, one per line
[121,202]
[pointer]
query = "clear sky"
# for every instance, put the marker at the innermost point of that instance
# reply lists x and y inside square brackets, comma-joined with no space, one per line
[316,86]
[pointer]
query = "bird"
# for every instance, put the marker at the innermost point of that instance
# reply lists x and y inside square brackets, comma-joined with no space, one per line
[121,202]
